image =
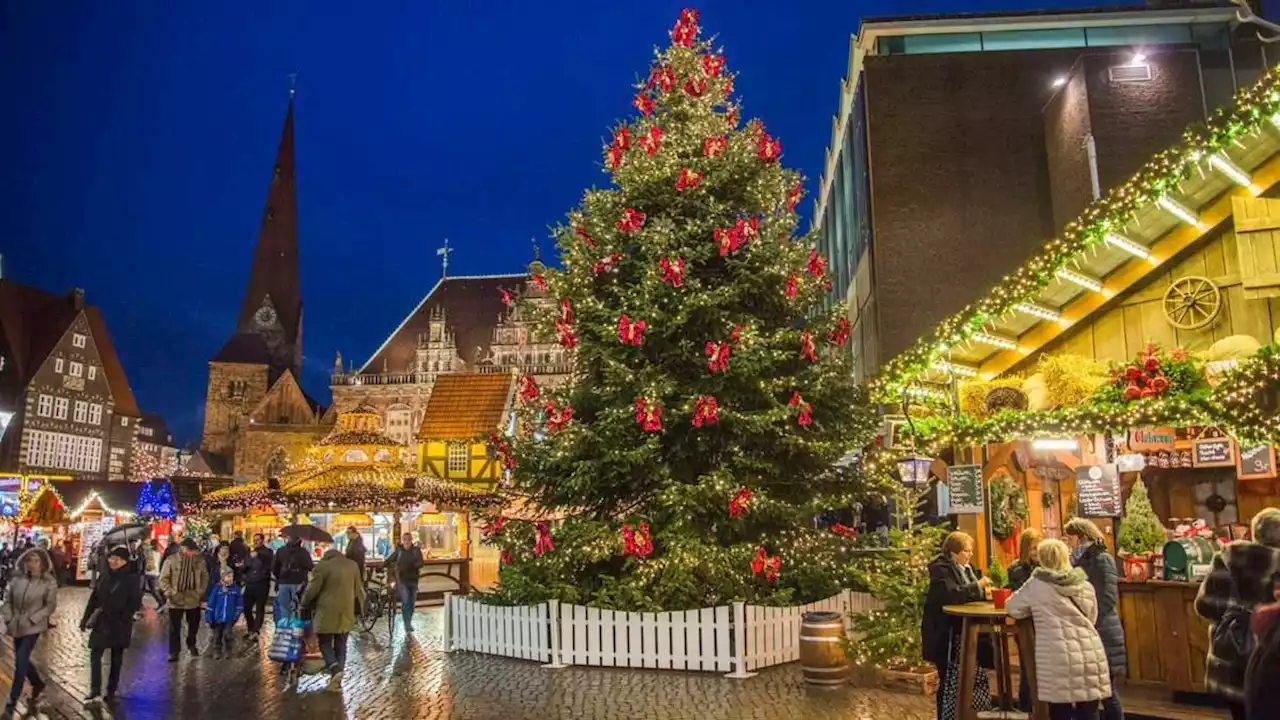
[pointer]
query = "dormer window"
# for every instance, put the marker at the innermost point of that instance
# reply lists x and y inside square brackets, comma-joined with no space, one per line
[78,340]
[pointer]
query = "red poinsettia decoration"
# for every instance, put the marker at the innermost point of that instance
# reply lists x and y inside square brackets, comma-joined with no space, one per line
[732,116]
[631,332]
[558,418]
[717,356]
[840,333]
[652,142]
[631,222]
[566,310]
[732,239]
[793,287]
[615,155]
[695,87]
[735,335]
[543,544]
[794,195]
[565,335]
[637,542]
[844,530]
[817,265]
[688,179]
[609,262]
[705,411]
[712,64]
[769,567]
[768,149]
[713,146]
[539,282]
[672,271]
[662,77]
[528,388]
[506,557]
[804,414]
[494,528]
[1147,377]
[619,147]
[740,503]
[806,347]
[686,29]
[648,415]
[643,103]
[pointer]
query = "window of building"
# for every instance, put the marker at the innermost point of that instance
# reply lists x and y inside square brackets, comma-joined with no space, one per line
[399,423]
[457,461]
[93,372]
[63,451]
[146,431]
[1033,39]
[57,365]
[77,369]
[1138,35]
[124,422]
[45,407]
[95,414]
[60,408]
[78,340]
[81,412]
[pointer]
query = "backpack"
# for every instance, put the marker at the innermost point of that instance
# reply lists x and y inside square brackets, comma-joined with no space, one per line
[1232,638]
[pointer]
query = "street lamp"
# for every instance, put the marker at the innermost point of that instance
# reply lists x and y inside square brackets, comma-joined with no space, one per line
[914,470]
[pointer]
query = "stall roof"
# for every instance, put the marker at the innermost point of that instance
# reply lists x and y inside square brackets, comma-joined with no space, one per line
[114,496]
[465,406]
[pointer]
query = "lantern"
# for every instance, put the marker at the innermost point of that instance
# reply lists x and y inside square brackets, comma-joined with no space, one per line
[914,470]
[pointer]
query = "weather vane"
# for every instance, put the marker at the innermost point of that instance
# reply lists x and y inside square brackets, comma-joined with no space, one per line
[537,253]
[1246,16]
[444,255]
[293,83]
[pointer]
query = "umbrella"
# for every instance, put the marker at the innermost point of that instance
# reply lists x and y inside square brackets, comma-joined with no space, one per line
[309,533]
[125,534]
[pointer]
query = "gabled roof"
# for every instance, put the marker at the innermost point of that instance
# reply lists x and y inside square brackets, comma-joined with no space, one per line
[286,389]
[465,406]
[121,393]
[472,307]
[32,321]
[204,462]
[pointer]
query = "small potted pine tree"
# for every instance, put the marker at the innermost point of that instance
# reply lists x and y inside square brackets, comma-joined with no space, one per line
[999,583]
[1141,534]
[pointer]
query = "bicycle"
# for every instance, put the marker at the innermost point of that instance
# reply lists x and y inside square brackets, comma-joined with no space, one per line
[379,599]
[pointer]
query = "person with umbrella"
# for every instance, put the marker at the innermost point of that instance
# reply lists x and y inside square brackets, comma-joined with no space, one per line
[109,616]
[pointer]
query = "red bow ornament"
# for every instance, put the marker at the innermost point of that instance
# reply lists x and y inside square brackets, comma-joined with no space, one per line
[528,388]
[844,530]
[718,356]
[732,116]
[713,146]
[652,142]
[502,450]
[712,64]
[507,298]
[543,544]
[695,87]
[566,311]
[631,332]
[793,287]
[768,149]
[733,239]
[672,271]
[506,558]
[581,232]
[494,528]
[662,77]
[688,180]
[610,262]
[686,29]
[637,542]
[762,564]
[705,411]
[794,195]
[631,222]
[565,335]
[817,266]
[740,503]
[619,147]
[648,415]
[806,347]
[558,418]
[540,282]
[643,103]
[804,417]
[840,333]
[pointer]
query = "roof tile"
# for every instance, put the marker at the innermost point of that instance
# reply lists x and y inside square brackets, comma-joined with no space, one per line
[464,406]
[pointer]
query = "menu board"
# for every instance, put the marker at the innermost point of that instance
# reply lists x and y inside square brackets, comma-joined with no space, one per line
[964,489]
[1257,463]
[1098,491]
[1213,452]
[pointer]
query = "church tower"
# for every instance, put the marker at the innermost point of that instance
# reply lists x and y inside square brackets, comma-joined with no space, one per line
[267,342]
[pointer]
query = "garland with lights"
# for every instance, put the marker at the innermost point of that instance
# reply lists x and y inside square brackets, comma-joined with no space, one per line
[1254,107]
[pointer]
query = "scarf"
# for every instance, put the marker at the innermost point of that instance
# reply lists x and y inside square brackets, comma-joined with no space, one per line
[1080,551]
[187,573]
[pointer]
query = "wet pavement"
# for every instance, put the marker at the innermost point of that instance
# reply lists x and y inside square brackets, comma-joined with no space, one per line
[391,676]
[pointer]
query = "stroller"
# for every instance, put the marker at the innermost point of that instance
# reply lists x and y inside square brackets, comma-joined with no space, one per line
[295,646]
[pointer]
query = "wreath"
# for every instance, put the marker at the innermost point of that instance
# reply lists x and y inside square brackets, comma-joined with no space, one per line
[1008,507]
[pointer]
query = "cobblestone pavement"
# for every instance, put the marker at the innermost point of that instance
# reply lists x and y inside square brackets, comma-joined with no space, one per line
[399,677]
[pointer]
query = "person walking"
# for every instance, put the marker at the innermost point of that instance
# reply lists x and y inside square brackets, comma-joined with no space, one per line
[355,550]
[257,585]
[28,606]
[239,550]
[1241,579]
[222,612]
[1262,676]
[108,616]
[1089,553]
[951,582]
[291,566]
[336,593]
[151,573]
[184,580]
[1072,674]
[407,561]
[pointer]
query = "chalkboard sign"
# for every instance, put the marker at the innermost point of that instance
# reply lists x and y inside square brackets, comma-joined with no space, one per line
[1257,463]
[1213,452]
[964,488]
[1098,491]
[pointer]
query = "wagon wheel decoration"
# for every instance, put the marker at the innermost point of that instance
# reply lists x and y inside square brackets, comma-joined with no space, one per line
[1192,302]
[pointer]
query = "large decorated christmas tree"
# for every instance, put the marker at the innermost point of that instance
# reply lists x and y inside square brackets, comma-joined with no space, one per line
[711,397]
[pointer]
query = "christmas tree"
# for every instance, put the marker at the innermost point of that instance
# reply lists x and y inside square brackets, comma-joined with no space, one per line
[711,396]
[1140,531]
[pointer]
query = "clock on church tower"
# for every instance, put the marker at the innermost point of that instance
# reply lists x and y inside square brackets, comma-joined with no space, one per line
[265,317]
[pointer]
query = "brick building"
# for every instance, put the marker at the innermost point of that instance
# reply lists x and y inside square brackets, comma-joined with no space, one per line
[965,142]
[65,403]
[257,419]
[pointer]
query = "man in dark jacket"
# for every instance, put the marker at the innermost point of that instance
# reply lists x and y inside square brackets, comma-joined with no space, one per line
[291,567]
[407,561]
[239,550]
[257,584]
[115,598]
[355,550]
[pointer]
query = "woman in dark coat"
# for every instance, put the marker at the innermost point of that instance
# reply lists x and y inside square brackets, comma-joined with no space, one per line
[951,582]
[116,597]
[1089,553]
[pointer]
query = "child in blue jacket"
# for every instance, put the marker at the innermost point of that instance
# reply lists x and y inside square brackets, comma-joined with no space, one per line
[224,606]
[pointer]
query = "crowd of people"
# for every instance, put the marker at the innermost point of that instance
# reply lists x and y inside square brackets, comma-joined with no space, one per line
[213,585]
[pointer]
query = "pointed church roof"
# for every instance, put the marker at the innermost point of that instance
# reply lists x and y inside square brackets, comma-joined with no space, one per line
[275,261]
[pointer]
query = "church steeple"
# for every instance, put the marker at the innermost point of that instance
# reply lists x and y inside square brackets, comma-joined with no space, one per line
[272,306]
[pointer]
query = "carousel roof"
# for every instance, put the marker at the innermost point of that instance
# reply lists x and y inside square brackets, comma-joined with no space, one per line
[361,426]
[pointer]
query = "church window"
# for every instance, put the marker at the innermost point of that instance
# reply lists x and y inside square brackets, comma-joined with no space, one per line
[276,465]
[457,460]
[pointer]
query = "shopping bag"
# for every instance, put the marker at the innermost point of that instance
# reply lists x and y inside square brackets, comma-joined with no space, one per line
[286,644]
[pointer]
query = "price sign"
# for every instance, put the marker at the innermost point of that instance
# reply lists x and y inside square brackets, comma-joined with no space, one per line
[1098,491]
[1213,452]
[1257,463]
[964,488]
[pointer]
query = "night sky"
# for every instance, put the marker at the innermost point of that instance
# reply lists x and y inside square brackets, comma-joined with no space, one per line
[137,141]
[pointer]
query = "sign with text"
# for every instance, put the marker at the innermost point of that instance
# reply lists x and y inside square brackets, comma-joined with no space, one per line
[964,489]
[1257,463]
[1152,439]
[1213,452]
[1098,491]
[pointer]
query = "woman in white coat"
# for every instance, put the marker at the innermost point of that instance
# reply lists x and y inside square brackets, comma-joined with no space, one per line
[1071,663]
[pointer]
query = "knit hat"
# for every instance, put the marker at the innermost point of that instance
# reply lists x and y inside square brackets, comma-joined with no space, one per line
[121,552]
[190,544]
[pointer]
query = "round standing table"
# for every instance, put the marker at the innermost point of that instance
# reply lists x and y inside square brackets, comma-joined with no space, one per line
[982,617]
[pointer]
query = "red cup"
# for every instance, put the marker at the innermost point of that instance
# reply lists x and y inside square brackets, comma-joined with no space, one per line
[1000,596]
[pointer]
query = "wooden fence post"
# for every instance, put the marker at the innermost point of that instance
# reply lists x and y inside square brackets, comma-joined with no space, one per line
[740,643]
[553,625]
[448,622]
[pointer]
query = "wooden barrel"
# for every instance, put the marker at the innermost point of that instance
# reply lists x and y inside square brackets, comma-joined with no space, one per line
[822,657]
[1183,555]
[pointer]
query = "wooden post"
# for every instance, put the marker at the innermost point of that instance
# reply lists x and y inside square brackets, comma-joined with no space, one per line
[553,626]
[740,643]
[448,621]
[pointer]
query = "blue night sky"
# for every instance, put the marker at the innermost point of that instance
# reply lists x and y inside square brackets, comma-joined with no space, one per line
[138,138]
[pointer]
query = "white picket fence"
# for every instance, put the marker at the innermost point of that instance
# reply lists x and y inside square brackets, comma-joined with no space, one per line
[733,639]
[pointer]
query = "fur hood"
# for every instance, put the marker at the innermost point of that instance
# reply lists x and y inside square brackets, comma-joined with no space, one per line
[46,563]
